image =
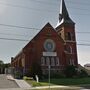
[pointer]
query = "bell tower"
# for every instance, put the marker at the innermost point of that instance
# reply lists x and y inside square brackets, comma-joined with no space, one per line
[66,30]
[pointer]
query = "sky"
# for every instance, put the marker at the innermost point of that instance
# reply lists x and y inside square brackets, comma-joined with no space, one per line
[23,19]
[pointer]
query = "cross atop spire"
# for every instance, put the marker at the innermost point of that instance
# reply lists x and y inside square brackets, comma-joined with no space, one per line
[63,15]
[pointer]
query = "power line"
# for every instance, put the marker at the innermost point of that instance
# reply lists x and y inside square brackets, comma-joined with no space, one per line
[83,32]
[84,44]
[25,7]
[43,2]
[14,39]
[12,34]
[83,41]
[8,25]
[30,28]
[39,10]
[80,3]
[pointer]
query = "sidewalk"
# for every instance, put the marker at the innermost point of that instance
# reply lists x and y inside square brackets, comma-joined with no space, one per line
[13,89]
[61,87]
[21,83]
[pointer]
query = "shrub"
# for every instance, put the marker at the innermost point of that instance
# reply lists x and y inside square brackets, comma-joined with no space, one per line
[27,78]
[83,73]
[70,71]
[57,75]
[18,75]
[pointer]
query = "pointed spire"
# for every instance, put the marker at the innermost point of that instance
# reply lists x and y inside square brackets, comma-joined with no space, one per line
[63,10]
[63,15]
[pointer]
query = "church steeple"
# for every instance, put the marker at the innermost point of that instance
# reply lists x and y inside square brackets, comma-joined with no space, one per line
[63,15]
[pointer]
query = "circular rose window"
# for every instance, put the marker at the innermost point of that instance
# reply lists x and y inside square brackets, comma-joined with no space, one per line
[49,45]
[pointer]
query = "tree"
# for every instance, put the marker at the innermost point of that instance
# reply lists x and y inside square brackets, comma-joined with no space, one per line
[7,65]
[1,67]
[83,73]
[1,62]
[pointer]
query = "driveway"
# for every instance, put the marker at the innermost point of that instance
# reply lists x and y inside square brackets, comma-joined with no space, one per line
[5,83]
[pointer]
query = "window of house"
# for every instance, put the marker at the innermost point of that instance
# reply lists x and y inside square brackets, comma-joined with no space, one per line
[72,36]
[71,61]
[47,61]
[52,61]
[57,61]
[69,36]
[69,49]
[42,61]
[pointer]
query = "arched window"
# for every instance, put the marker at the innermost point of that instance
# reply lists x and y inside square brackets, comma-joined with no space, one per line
[42,61]
[69,36]
[57,61]
[69,49]
[47,61]
[52,61]
[71,61]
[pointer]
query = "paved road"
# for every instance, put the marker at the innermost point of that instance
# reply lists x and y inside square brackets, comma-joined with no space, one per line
[5,83]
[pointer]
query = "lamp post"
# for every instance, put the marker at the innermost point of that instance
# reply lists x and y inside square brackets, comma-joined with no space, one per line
[49,75]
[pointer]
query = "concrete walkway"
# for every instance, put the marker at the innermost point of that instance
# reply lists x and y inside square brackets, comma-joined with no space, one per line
[21,83]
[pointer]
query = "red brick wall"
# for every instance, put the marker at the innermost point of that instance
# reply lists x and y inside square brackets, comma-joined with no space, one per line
[35,49]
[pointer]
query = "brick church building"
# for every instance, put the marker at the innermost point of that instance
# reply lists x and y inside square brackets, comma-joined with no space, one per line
[54,47]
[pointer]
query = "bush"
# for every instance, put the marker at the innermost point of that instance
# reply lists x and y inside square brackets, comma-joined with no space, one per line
[18,75]
[71,71]
[83,73]
[57,75]
[54,75]
[27,78]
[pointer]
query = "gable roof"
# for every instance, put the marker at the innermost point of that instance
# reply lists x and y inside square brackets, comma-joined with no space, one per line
[48,25]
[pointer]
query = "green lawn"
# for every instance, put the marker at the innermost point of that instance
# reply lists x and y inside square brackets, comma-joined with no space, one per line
[34,83]
[64,81]
[70,81]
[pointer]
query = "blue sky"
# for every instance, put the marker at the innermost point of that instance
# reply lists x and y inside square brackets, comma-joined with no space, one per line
[35,14]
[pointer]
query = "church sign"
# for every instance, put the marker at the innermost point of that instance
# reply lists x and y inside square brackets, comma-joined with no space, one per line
[49,54]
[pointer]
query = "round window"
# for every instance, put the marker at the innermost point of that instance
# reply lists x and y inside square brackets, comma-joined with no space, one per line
[49,45]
